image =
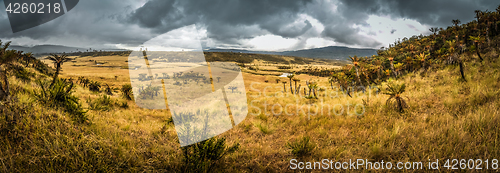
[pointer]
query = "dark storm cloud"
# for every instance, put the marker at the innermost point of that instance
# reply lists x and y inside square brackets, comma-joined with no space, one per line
[222,18]
[339,23]
[91,22]
[233,22]
[225,21]
[430,12]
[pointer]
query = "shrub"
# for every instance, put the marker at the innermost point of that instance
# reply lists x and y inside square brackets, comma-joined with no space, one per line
[103,103]
[42,67]
[127,91]
[94,86]
[123,104]
[301,147]
[203,156]
[150,92]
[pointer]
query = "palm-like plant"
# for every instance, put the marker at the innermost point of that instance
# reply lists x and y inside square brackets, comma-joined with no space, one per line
[310,86]
[314,88]
[477,40]
[127,91]
[284,86]
[355,62]
[296,80]
[28,57]
[58,61]
[390,56]
[108,90]
[6,59]
[290,76]
[394,91]
[331,80]
[422,57]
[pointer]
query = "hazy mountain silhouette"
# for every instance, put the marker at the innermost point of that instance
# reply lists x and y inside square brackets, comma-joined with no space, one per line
[45,49]
[331,52]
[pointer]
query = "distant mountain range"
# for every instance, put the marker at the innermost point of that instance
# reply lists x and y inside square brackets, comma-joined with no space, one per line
[331,52]
[45,49]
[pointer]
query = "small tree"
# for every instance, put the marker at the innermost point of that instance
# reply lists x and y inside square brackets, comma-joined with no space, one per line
[477,40]
[290,76]
[296,80]
[58,61]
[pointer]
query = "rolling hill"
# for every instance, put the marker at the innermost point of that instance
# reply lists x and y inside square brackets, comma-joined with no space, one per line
[331,52]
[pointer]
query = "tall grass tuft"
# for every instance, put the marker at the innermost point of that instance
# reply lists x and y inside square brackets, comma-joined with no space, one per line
[301,147]
[103,103]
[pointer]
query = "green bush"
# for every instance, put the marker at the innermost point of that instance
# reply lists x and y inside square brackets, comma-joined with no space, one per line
[301,147]
[203,156]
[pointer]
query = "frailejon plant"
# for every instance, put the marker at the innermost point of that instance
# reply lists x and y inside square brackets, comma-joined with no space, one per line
[126,91]
[395,99]
[108,90]
[58,61]
[290,76]
[60,95]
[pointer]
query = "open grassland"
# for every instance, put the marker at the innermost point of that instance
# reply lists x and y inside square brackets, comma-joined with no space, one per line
[446,118]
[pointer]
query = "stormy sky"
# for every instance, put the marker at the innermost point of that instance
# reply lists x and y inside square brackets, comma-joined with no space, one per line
[246,24]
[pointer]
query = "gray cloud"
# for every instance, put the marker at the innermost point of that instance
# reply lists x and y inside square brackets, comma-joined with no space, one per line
[233,23]
[431,12]
[228,22]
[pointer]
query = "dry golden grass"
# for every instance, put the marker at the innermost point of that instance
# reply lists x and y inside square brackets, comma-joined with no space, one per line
[446,119]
